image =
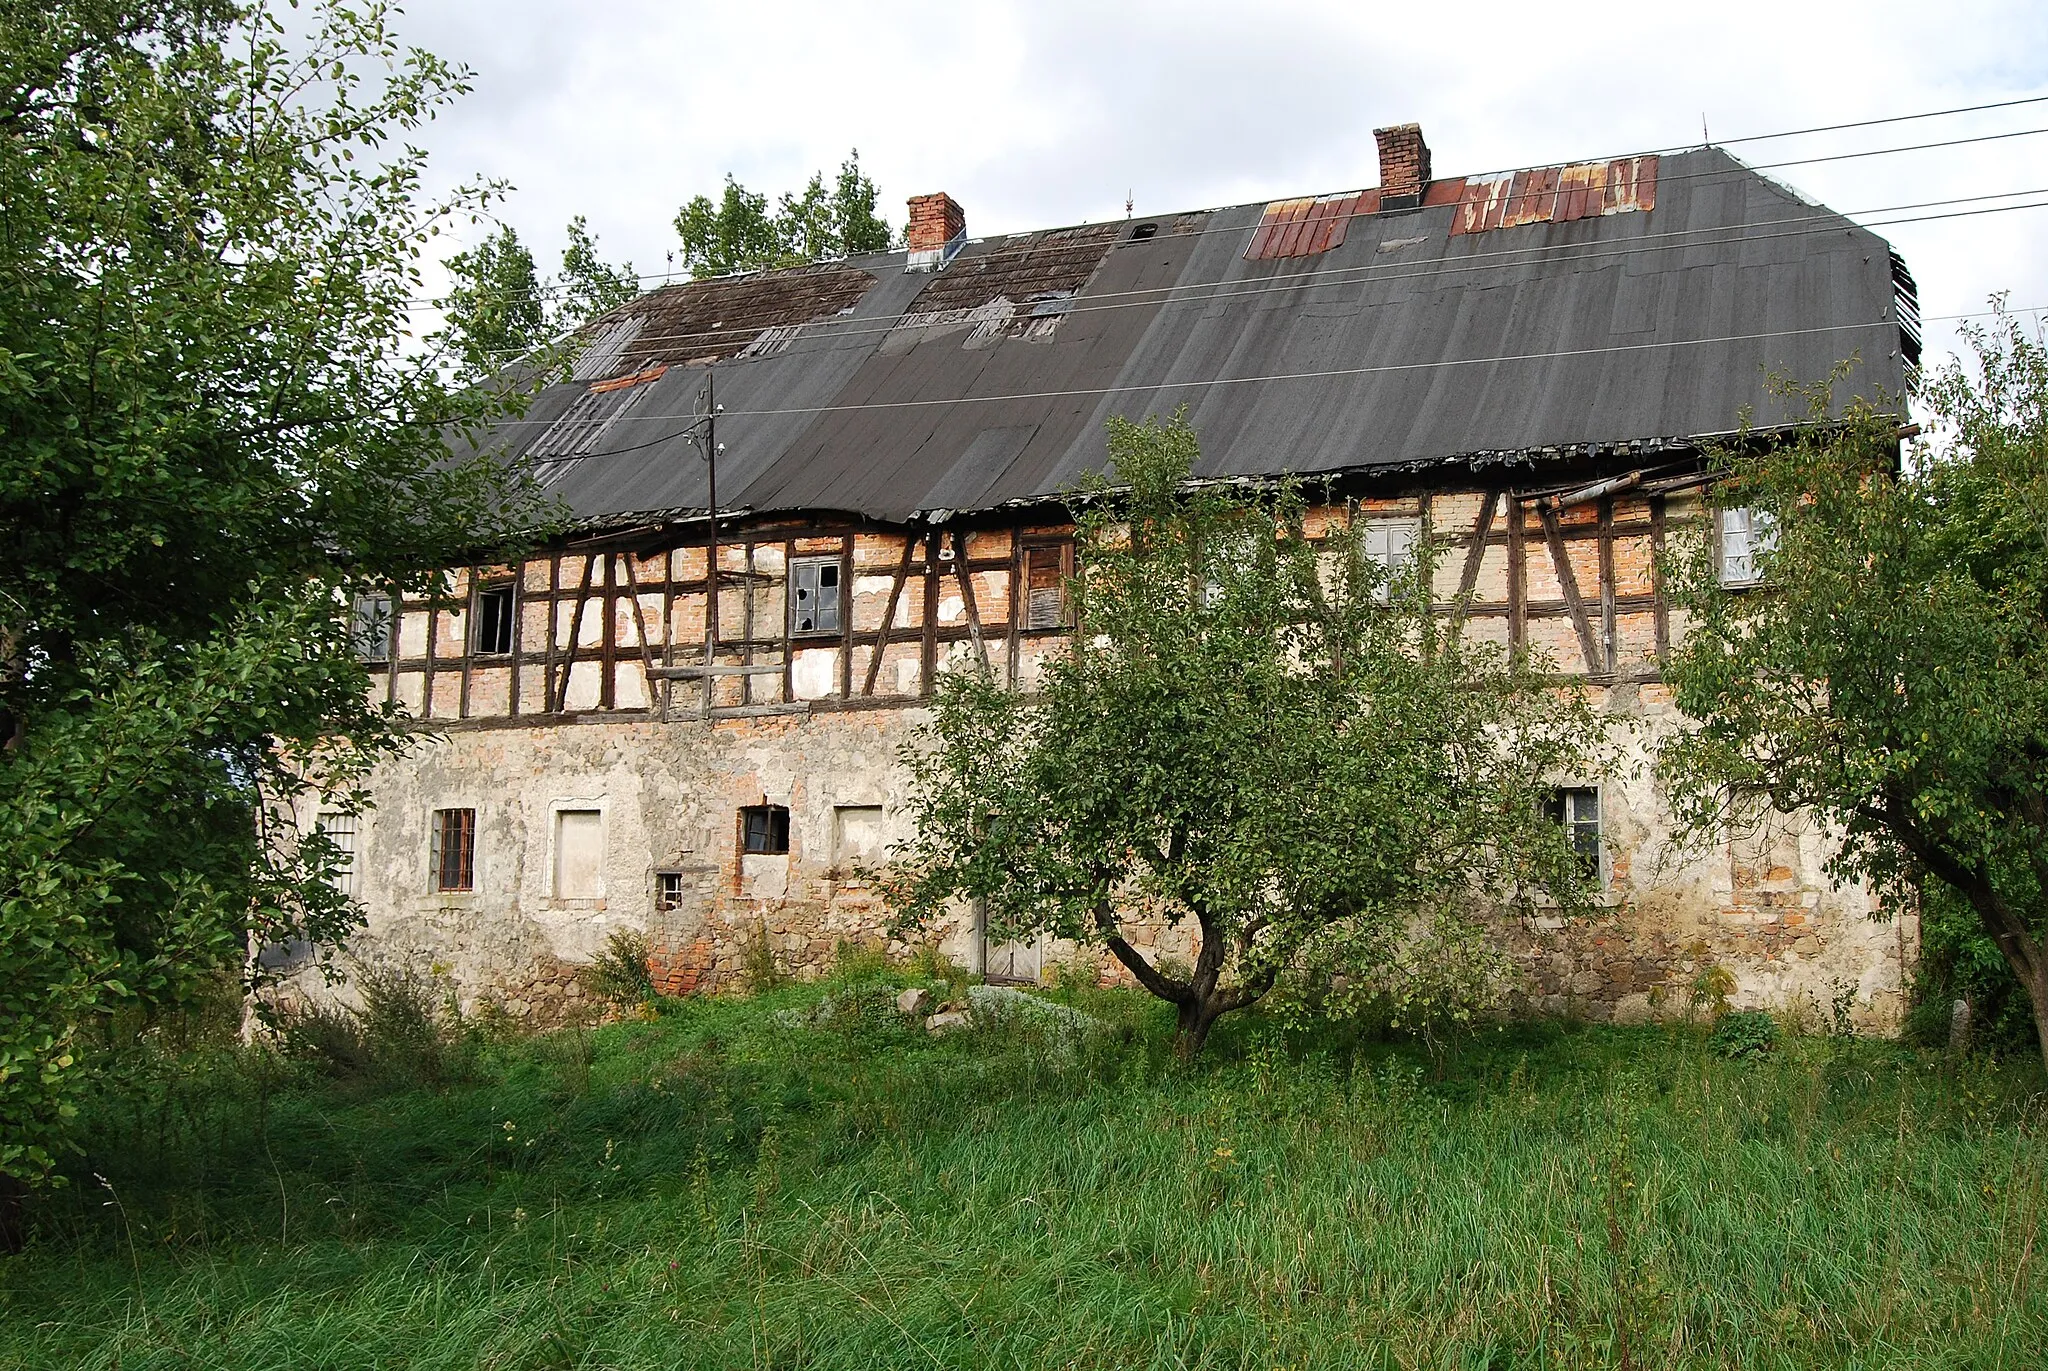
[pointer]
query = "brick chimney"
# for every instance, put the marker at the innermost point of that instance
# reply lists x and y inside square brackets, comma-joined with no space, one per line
[938,226]
[1404,166]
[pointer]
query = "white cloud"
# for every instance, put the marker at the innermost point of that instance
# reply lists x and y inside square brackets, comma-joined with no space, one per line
[1037,114]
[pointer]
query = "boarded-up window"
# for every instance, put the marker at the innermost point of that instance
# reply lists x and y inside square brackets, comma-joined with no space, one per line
[1045,586]
[579,854]
[341,831]
[453,855]
[814,595]
[493,624]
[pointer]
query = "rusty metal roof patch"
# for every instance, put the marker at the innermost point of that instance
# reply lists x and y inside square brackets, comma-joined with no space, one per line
[1551,195]
[1307,226]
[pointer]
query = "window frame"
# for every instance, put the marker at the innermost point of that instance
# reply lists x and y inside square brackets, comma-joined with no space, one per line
[460,877]
[1394,564]
[339,825]
[669,891]
[376,650]
[1756,539]
[1560,808]
[774,820]
[817,564]
[508,592]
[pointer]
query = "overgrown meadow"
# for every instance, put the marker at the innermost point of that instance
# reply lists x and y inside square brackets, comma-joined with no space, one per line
[804,1178]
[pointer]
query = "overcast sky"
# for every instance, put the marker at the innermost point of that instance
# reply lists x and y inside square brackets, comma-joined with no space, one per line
[1039,114]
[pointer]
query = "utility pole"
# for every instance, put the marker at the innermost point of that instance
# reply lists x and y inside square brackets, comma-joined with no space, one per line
[709,447]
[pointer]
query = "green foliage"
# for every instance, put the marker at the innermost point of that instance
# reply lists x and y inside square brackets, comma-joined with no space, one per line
[738,232]
[619,974]
[724,1188]
[217,435]
[1958,962]
[1255,733]
[590,286]
[498,310]
[1892,674]
[405,1030]
[494,309]
[1749,1033]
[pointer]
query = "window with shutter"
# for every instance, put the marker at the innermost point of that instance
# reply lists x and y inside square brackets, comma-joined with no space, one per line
[814,596]
[1045,584]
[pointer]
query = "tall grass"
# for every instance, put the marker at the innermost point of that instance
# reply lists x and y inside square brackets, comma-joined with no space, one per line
[804,1179]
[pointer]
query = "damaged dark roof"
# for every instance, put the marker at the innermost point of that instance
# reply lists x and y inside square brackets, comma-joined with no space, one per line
[1639,301]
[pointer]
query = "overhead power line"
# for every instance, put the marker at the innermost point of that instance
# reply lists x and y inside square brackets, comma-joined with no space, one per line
[842,332]
[419,302]
[1205,383]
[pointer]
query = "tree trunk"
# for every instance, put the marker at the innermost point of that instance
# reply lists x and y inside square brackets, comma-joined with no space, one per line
[1192,1025]
[2037,991]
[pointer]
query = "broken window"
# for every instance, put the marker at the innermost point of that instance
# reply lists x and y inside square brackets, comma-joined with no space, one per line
[764,829]
[1391,543]
[668,891]
[453,857]
[1745,535]
[340,829]
[1045,585]
[1576,809]
[579,854]
[491,632]
[369,627]
[813,595]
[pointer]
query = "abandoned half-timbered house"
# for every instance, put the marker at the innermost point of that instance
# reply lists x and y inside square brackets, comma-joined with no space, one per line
[684,715]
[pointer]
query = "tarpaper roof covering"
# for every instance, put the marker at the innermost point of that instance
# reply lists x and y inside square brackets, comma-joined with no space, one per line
[1508,318]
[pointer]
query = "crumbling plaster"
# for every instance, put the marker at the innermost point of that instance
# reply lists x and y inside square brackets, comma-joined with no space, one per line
[1761,904]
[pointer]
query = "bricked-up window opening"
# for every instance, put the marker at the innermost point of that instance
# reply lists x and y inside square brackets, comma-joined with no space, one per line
[493,624]
[764,829]
[369,628]
[1576,809]
[1045,586]
[341,831]
[579,854]
[1745,534]
[668,891]
[814,595]
[454,854]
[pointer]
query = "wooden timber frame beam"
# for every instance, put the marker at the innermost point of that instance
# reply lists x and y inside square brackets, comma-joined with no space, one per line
[1567,581]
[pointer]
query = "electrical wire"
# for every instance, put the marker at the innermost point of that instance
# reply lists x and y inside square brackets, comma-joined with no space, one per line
[1365,274]
[1337,373]
[425,303]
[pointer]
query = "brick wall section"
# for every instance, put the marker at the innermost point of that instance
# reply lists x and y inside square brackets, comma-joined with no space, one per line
[1404,165]
[935,220]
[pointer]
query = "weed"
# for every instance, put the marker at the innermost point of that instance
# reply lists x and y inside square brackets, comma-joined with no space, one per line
[760,969]
[619,975]
[1745,1035]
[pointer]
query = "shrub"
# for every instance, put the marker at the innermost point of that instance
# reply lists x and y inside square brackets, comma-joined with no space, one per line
[619,974]
[1747,1034]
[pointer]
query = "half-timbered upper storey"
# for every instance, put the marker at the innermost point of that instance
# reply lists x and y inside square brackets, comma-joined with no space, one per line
[1526,365]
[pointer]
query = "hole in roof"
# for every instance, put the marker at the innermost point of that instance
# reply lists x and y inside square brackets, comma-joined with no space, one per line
[1144,231]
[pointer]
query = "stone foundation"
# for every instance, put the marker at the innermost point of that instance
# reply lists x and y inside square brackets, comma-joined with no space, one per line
[668,796]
